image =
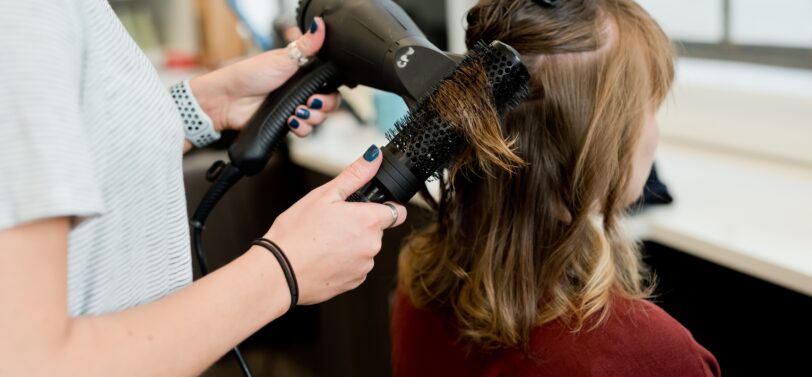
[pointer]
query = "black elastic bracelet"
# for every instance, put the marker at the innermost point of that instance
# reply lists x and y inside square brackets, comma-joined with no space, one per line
[286,267]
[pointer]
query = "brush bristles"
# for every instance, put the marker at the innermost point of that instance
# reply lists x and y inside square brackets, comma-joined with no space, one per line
[430,140]
[427,142]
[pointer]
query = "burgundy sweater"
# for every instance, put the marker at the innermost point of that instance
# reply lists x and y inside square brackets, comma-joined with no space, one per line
[637,339]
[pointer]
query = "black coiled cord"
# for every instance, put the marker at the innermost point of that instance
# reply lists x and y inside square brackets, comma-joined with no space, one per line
[225,178]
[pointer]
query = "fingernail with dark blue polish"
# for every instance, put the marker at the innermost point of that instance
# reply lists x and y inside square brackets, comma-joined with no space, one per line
[302,113]
[316,104]
[294,123]
[372,153]
[313,26]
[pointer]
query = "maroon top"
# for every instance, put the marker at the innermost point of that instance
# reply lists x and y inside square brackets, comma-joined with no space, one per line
[637,339]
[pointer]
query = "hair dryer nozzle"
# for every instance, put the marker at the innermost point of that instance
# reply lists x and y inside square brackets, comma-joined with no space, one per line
[375,43]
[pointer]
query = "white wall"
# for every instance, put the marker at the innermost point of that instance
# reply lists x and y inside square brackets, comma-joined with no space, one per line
[775,22]
[455,19]
[747,108]
[752,22]
[689,20]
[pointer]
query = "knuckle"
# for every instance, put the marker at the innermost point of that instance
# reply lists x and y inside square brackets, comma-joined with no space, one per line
[358,282]
[370,266]
[317,116]
[303,42]
[341,192]
[317,192]
[356,172]
[376,245]
[331,101]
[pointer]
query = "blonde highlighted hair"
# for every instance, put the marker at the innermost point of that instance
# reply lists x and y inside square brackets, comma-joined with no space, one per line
[517,247]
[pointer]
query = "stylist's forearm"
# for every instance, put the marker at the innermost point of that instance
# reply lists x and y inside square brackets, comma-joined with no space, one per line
[212,93]
[184,333]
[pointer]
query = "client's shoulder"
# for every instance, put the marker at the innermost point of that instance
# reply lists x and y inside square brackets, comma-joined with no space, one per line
[636,336]
[631,324]
[642,319]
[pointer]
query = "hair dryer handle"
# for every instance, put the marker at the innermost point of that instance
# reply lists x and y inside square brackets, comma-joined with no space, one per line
[268,126]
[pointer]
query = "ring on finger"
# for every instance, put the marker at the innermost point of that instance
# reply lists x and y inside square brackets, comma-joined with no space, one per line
[395,214]
[295,54]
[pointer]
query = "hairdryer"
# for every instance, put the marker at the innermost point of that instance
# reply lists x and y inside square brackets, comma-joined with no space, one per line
[374,43]
[368,42]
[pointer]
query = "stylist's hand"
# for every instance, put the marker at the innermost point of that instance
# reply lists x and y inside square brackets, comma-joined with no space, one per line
[331,243]
[230,95]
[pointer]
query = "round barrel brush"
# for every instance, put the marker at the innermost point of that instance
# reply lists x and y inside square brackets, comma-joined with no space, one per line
[431,137]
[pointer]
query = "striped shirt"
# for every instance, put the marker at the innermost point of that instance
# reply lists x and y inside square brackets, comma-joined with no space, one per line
[88,131]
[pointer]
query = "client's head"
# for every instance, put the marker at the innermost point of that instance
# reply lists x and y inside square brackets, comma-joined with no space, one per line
[516,248]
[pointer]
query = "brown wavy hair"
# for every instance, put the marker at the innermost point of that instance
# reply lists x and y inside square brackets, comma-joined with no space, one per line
[537,238]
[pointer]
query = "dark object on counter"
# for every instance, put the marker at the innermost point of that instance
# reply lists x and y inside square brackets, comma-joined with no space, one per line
[548,3]
[655,191]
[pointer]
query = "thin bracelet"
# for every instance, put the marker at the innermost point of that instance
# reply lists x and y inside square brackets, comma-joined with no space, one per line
[286,267]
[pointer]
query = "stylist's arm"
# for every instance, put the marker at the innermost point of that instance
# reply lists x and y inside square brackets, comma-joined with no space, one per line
[330,243]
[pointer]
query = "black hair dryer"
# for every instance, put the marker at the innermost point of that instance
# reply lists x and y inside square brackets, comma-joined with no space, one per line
[374,43]
[368,42]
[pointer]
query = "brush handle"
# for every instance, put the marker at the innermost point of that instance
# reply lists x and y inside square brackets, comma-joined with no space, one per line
[268,126]
[370,193]
[393,182]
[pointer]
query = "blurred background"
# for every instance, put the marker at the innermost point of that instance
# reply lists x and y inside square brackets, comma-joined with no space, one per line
[726,228]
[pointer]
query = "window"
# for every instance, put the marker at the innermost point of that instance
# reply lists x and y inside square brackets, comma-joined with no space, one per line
[721,99]
[775,32]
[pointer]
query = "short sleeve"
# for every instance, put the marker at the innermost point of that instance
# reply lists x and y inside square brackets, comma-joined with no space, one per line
[46,168]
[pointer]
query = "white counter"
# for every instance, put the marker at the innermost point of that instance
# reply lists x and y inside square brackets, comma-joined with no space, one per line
[748,215]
